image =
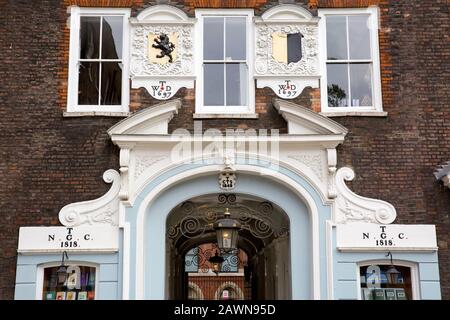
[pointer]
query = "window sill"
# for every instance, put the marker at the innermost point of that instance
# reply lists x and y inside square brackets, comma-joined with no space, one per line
[355,114]
[225,116]
[95,114]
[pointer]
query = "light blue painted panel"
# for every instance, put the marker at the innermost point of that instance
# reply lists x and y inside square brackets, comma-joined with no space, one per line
[346,290]
[429,271]
[26,274]
[345,271]
[44,258]
[25,291]
[408,256]
[108,272]
[430,290]
[107,290]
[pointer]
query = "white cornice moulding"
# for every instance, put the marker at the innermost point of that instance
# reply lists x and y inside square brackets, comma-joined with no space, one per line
[152,120]
[302,120]
[104,210]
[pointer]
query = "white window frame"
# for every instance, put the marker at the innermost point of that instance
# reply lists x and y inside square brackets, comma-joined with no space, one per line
[42,267]
[200,108]
[415,281]
[377,106]
[74,52]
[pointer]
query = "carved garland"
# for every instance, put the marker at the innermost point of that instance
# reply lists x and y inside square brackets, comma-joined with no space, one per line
[266,65]
[140,63]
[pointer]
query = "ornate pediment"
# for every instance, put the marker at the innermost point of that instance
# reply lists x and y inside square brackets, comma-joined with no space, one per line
[151,120]
[302,120]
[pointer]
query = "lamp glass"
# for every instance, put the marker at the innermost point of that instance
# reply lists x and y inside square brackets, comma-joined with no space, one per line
[393,275]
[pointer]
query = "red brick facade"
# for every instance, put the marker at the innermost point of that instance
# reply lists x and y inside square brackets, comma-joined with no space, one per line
[48,161]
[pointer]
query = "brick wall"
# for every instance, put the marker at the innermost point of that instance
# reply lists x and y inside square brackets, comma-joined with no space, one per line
[48,161]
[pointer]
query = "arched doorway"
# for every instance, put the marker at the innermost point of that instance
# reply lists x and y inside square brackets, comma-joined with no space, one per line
[150,254]
[258,269]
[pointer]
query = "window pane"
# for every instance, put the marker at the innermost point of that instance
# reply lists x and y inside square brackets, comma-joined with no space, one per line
[385,282]
[236,38]
[112,37]
[88,78]
[337,76]
[213,88]
[336,38]
[236,84]
[359,37]
[361,84]
[213,39]
[89,37]
[111,83]
[77,284]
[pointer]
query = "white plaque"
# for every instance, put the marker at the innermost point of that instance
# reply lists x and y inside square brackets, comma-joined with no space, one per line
[369,236]
[74,239]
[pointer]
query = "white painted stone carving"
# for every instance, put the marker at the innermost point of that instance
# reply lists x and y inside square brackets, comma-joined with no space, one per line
[265,64]
[104,210]
[313,161]
[350,207]
[140,62]
[162,80]
[287,80]
[144,162]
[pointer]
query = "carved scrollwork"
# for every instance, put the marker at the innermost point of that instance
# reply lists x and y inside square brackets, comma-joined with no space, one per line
[140,63]
[313,161]
[351,207]
[266,65]
[104,210]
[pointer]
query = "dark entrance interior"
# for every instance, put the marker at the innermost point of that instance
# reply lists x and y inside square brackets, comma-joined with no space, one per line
[258,270]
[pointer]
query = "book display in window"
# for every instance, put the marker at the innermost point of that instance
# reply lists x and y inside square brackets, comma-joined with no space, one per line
[69,289]
[379,283]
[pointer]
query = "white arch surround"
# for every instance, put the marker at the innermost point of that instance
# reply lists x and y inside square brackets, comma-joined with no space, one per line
[162,12]
[288,12]
[283,180]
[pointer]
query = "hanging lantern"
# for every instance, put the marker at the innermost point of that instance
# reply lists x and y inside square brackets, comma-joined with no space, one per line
[392,274]
[62,270]
[227,232]
[216,263]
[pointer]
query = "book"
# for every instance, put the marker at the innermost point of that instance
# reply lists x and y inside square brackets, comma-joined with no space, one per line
[91,282]
[367,294]
[71,295]
[84,279]
[390,294]
[60,295]
[50,295]
[379,294]
[401,295]
[82,295]
[91,295]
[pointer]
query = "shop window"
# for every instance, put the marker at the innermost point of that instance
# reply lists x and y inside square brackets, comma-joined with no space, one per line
[386,282]
[78,284]
[350,60]
[224,59]
[98,78]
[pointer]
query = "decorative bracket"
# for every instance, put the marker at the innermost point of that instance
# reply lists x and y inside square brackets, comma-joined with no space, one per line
[350,207]
[104,210]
